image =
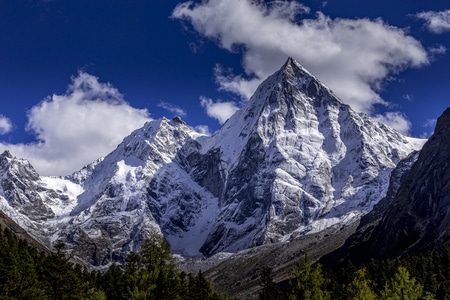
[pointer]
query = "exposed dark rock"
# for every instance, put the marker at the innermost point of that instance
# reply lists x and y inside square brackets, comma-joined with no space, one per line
[21,186]
[419,217]
[415,215]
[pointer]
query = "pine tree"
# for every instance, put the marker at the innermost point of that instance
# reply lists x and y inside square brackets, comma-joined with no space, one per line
[309,282]
[150,274]
[402,287]
[113,283]
[380,272]
[443,266]
[159,268]
[359,288]
[270,289]
[63,281]
[18,277]
[198,287]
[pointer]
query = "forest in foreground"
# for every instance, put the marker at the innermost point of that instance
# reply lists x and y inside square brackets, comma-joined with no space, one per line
[26,273]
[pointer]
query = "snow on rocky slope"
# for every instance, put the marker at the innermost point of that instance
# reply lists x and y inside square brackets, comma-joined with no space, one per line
[293,160]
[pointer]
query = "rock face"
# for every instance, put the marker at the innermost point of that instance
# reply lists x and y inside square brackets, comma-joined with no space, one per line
[20,185]
[293,160]
[358,247]
[418,218]
[414,216]
[297,160]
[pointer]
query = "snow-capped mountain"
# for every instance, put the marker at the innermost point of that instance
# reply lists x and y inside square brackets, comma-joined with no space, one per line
[296,160]
[293,160]
[414,217]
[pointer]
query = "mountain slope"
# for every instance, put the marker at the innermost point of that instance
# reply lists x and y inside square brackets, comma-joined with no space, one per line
[139,189]
[294,160]
[358,245]
[414,216]
[419,217]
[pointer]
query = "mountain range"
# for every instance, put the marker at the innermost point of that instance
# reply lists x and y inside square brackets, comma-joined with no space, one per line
[293,161]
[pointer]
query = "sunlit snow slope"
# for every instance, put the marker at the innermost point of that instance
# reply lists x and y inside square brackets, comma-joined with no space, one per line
[293,160]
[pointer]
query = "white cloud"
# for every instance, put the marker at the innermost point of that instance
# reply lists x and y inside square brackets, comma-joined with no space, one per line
[439,49]
[202,129]
[235,83]
[218,110]
[176,110]
[436,21]
[76,128]
[5,125]
[396,120]
[430,123]
[354,57]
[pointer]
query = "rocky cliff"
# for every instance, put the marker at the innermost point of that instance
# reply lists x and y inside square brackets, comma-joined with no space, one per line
[414,216]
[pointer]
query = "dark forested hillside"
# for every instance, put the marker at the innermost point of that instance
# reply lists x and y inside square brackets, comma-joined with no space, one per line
[424,276]
[28,273]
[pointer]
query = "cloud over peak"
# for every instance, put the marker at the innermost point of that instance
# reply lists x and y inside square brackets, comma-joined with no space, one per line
[75,128]
[354,57]
[221,111]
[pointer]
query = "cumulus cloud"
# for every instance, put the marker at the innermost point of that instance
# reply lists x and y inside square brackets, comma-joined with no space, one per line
[436,21]
[354,57]
[237,84]
[221,111]
[75,128]
[395,120]
[176,110]
[202,129]
[5,125]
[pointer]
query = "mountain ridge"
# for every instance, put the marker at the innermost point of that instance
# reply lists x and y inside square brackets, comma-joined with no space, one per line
[421,203]
[294,160]
[413,218]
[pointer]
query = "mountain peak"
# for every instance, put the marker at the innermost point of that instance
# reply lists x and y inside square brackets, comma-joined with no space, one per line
[297,79]
[291,63]
[294,159]
[7,154]
[178,120]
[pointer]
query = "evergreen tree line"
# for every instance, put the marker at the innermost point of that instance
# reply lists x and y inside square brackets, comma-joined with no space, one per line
[424,276]
[26,273]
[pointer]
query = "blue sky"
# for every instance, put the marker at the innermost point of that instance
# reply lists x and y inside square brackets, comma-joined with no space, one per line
[77,76]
